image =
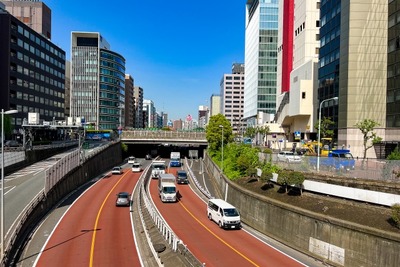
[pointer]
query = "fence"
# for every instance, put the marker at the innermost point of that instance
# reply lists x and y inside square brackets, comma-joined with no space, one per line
[372,169]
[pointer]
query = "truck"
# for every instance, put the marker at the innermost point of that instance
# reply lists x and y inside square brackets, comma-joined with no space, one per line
[157,168]
[167,187]
[175,159]
[339,159]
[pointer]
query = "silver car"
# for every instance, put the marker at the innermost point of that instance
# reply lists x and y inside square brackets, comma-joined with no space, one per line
[289,157]
[116,170]
[123,199]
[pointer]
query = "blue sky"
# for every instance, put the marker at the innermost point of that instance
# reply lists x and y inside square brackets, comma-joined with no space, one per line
[177,51]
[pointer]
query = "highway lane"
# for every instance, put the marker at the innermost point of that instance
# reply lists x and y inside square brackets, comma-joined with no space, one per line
[93,231]
[209,243]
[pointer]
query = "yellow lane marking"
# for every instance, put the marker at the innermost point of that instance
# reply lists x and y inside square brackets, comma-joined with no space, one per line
[220,239]
[98,217]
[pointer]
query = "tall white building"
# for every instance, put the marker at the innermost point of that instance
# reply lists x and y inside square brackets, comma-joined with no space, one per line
[150,114]
[260,58]
[215,107]
[232,99]
[296,112]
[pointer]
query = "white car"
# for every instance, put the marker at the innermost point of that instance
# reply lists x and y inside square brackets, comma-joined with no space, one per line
[136,167]
[116,170]
[289,157]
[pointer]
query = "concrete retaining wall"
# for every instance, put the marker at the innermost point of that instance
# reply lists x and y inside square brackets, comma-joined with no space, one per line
[337,242]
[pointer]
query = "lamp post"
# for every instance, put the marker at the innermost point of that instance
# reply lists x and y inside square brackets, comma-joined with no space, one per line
[222,148]
[319,128]
[2,177]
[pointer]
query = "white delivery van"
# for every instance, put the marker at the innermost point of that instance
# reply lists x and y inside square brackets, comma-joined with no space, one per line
[167,187]
[157,167]
[223,213]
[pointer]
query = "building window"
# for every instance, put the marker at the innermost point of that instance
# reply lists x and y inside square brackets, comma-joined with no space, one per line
[303,95]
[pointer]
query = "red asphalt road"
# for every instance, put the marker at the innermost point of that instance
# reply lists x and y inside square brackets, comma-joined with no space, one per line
[210,244]
[94,232]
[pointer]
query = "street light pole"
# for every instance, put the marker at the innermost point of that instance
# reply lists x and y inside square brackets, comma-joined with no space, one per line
[319,128]
[2,177]
[222,148]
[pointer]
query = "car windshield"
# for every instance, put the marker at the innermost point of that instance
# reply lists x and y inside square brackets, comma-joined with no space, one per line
[159,167]
[231,212]
[182,174]
[116,169]
[136,165]
[169,189]
[123,195]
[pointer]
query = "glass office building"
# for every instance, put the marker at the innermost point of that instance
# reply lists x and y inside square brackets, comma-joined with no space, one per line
[97,82]
[260,58]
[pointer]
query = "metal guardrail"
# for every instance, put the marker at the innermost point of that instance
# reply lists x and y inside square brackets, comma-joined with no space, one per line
[172,239]
[197,183]
[163,135]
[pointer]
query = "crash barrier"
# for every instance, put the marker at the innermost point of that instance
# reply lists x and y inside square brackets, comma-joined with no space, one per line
[168,234]
[67,163]
[338,242]
[11,158]
[198,185]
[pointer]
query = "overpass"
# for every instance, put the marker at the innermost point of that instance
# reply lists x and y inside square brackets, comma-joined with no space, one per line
[192,138]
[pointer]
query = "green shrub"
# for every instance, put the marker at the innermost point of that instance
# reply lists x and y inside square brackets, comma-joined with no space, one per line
[396,214]
[395,155]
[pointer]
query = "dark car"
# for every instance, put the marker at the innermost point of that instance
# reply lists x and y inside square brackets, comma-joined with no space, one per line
[11,143]
[181,177]
[123,199]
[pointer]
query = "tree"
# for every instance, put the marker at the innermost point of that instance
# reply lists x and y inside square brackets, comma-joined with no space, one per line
[326,124]
[291,178]
[367,127]
[250,132]
[7,125]
[214,132]
[263,130]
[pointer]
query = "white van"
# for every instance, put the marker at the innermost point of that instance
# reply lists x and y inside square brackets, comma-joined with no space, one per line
[223,213]
[136,167]
[131,160]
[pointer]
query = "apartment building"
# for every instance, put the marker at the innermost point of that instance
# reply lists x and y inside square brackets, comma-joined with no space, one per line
[232,95]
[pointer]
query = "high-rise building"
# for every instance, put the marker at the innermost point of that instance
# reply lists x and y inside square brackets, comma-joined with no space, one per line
[203,116]
[150,119]
[215,107]
[33,13]
[353,67]
[67,95]
[32,72]
[129,101]
[138,95]
[260,58]
[393,71]
[97,81]
[285,44]
[296,113]
[232,99]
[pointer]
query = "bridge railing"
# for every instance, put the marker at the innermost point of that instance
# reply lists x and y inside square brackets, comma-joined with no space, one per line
[164,135]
